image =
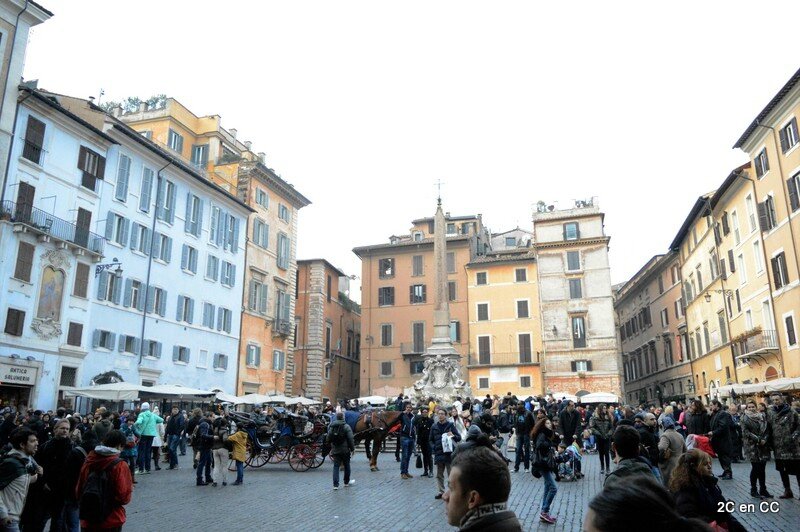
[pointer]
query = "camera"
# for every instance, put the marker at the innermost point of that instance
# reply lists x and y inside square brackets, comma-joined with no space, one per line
[31,468]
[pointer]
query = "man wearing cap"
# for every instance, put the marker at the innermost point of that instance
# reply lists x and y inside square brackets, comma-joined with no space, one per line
[423,424]
[146,422]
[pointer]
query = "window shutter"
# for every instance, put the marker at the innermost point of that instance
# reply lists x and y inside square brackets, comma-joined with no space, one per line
[723,268]
[573,365]
[175,353]
[232,274]
[137,345]
[775,273]
[117,294]
[564,231]
[96,337]
[140,298]
[102,286]
[162,308]
[763,220]
[251,298]
[258,355]
[156,247]
[205,314]
[185,257]
[168,250]
[179,313]
[126,228]
[126,301]
[193,261]
[123,174]
[110,225]
[717,236]
[262,300]
[81,156]
[147,185]
[731,262]
[784,140]
[220,317]
[588,365]
[148,234]
[171,204]
[411,294]
[794,198]
[228,321]
[160,199]
[121,343]
[191,311]
[112,339]
[725,227]
[101,167]
[235,243]
[135,236]
[34,132]
[187,222]
[151,298]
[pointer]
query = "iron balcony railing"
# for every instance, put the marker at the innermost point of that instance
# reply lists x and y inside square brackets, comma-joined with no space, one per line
[47,224]
[502,359]
[764,340]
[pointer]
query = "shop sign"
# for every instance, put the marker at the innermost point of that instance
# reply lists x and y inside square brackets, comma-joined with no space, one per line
[10,374]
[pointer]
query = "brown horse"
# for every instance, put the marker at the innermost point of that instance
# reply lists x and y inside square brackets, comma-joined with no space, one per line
[373,428]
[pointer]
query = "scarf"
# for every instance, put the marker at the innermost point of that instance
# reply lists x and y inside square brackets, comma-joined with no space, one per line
[757,420]
[482,511]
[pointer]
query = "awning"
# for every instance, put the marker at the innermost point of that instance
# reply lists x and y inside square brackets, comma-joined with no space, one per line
[564,396]
[116,391]
[260,399]
[302,401]
[777,385]
[223,397]
[372,400]
[176,391]
[599,397]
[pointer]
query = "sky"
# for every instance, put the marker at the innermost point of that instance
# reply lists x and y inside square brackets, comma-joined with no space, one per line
[364,106]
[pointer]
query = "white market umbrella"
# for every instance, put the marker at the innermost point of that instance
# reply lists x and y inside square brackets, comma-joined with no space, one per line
[305,401]
[564,396]
[372,400]
[599,397]
[228,398]
[115,391]
[176,391]
[260,399]
[782,385]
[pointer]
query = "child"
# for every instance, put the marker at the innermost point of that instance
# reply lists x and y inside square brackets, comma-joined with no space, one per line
[565,461]
[239,440]
[130,452]
[575,455]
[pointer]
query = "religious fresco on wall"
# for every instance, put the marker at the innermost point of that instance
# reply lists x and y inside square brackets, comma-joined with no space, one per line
[51,294]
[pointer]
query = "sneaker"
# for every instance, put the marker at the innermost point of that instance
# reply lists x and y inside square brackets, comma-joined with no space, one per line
[602,471]
[146,472]
[764,493]
[545,518]
[201,483]
[438,496]
[351,483]
[335,488]
[238,483]
[527,470]
[754,493]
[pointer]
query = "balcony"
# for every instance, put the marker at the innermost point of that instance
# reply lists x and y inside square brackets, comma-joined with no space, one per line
[45,225]
[411,348]
[501,359]
[756,342]
[282,328]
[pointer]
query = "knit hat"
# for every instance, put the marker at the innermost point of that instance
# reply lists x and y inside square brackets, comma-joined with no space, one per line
[145,406]
[668,423]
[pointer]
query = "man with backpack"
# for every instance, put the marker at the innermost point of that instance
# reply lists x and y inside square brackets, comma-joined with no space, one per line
[104,486]
[340,437]
[17,472]
[176,425]
[73,466]
[52,456]
[203,442]
[220,448]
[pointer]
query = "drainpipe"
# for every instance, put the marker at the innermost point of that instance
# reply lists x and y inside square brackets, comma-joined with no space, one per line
[150,259]
[3,99]
[766,267]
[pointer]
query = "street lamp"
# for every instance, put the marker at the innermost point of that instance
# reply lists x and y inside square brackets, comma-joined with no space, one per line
[114,262]
[690,385]
[728,294]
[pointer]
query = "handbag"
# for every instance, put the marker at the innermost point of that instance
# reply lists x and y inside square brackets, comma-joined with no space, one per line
[419,462]
[512,442]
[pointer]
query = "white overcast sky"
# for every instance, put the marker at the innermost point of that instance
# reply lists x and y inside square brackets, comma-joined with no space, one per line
[363,106]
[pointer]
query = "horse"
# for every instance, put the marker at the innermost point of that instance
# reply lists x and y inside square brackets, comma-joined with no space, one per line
[372,428]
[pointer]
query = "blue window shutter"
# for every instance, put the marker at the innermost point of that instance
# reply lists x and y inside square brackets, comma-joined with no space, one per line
[251,295]
[96,337]
[151,299]
[185,257]
[144,348]
[187,222]
[126,301]
[161,201]
[175,353]
[220,316]
[214,224]
[205,314]
[163,306]
[137,345]
[112,339]
[126,228]
[228,320]
[191,311]
[135,236]
[140,300]
[235,243]
[148,236]
[168,251]
[123,173]
[158,349]
[216,269]
[232,275]
[117,295]
[171,204]
[102,286]
[121,343]
[179,314]
[147,185]
[198,226]
[110,225]
[193,261]
[156,245]
[258,356]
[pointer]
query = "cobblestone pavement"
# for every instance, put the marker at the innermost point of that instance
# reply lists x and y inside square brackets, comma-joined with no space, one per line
[276,498]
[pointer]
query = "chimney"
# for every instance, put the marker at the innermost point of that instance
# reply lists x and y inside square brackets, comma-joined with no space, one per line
[117,111]
[233,133]
[262,157]
[142,107]
[247,144]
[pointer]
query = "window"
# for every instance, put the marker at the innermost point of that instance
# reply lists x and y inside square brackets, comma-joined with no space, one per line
[664,318]
[511,242]
[450,259]
[220,361]
[81,286]
[581,365]
[573,260]
[524,343]
[757,256]
[185,309]
[257,296]
[779,272]
[737,234]
[165,196]
[284,244]
[175,141]
[713,264]
[202,360]
[22,270]
[723,329]
[483,383]
[189,259]
[386,268]
[162,248]
[123,176]
[484,350]
[262,198]
[228,274]
[128,344]
[418,236]
[416,265]
[571,231]
[386,335]
[200,156]
[751,212]
[767,218]
[141,239]
[451,228]
[521,275]
[156,301]
[93,166]
[742,270]
[134,296]
[284,213]
[575,290]
[104,339]
[451,291]
[34,140]
[15,319]
[282,305]
[789,136]
[224,319]
[791,334]
[75,334]
[483,311]
[480,278]
[417,367]
[193,222]
[417,294]
[578,331]
[109,287]
[117,229]
[660,284]
[455,331]
[212,267]
[793,184]
[260,234]
[208,315]
[253,356]
[386,296]
[522,309]
[761,163]
[706,336]
[386,369]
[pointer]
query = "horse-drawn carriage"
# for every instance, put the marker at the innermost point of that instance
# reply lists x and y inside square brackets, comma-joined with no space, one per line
[283,436]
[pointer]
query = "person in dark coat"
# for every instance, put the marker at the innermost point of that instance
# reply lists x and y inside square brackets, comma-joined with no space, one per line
[601,426]
[72,472]
[720,427]
[544,465]
[570,422]
[696,492]
[755,434]
[423,424]
[477,497]
[784,426]
[523,423]
[341,450]
[696,419]
[442,458]
[52,456]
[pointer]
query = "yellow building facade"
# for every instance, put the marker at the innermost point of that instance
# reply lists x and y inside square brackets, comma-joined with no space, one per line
[504,324]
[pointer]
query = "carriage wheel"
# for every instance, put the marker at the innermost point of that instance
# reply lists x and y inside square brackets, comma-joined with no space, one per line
[299,457]
[277,455]
[317,460]
[258,459]
[232,465]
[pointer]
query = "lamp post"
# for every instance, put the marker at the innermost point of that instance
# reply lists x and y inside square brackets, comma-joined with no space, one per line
[115,263]
[728,294]
[690,385]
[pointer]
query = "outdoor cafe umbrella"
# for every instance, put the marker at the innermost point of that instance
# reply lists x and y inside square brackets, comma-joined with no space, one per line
[115,391]
[305,401]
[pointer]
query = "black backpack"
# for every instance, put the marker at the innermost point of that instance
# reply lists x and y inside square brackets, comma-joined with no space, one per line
[97,499]
[337,435]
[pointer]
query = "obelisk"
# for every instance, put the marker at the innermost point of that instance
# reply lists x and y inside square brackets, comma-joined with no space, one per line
[441,374]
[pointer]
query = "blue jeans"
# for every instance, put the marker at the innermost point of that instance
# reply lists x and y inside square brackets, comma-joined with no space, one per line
[340,460]
[550,490]
[204,463]
[183,444]
[523,450]
[408,448]
[174,441]
[145,451]
[239,471]
[72,522]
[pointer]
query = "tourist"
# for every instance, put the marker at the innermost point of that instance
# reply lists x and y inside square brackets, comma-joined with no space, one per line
[18,471]
[340,437]
[696,419]
[102,422]
[146,423]
[784,424]
[130,452]
[544,465]
[158,442]
[458,422]
[176,427]
[523,423]
[670,448]
[755,434]
[220,428]
[505,426]
[52,456]
[601,427]
[423,424]
[444,436]
[119,484]
[645,423]
[697,493]
[238,454]
[74,464]
[720,428]
[625,446]
[407,439]
[477,495]
[205,440]
[640,503]
[570,422]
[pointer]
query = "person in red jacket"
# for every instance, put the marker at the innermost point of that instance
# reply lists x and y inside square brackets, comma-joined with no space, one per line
[120,481]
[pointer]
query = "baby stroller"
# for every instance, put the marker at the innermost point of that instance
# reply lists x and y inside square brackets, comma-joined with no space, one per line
[566,467]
